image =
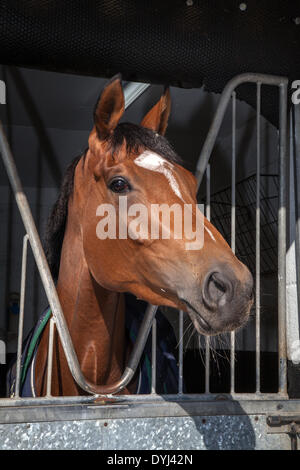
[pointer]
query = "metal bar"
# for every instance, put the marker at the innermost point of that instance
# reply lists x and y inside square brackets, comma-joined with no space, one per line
[282,341]
[151,399]
[233,172]
[52,296]
[296,126]
[220,112]
[153,361]
[208,205]
[207,338]
[263,212]
[133,90]
[141,339]
[257,238]
[174,407]
[207,363]
[21,315]
[159,406]
[180,374]
[50,357]
[203,160]
[233,221]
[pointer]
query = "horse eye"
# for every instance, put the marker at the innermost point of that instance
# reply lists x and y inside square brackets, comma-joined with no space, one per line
[119,185]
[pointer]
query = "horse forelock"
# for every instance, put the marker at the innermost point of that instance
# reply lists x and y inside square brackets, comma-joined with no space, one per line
[137,139]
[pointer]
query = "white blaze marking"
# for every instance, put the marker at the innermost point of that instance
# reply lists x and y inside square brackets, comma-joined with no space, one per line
[154,162]
[210,234]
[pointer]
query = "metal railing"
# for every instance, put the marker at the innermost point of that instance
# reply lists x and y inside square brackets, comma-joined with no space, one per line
[203,168]
[132,92]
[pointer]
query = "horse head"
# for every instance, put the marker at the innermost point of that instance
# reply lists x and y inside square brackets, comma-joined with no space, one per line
[133,170]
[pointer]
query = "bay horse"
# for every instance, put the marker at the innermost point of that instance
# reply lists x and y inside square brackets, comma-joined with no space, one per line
[210,283]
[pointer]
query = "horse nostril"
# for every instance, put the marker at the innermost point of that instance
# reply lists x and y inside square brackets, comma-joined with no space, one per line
[217,290]
[250,292]
[218,283]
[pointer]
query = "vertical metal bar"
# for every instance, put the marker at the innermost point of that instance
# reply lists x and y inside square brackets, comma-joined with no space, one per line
[207,208]
[153,364]
[233,221]
[180,375]
[207,365]
[233,172]
[21,315]
[282,346]
[296,154]
[257,239]
[294,442]
[52,295]
[50,357]
[207,338]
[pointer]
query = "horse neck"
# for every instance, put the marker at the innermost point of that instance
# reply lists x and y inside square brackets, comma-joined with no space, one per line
[95,316]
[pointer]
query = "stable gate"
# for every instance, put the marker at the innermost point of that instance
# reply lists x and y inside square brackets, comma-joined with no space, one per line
[209,420]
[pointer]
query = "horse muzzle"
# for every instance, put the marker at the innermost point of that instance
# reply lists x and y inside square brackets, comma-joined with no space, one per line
[223,302]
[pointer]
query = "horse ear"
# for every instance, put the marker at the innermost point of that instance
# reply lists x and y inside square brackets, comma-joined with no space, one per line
[157,118]
[110,108]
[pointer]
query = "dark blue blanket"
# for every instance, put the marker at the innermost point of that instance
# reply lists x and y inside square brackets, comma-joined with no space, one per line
[166,364]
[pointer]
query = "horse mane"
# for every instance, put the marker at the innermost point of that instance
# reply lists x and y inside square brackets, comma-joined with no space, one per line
[136,138]
[56,224]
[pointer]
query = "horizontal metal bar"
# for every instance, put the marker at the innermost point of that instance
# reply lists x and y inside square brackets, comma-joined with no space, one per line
[283,419]
[160,408]
[146,399]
